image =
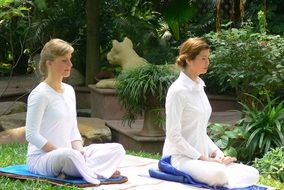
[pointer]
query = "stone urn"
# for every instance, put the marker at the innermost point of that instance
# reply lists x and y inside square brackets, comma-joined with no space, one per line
[154,118]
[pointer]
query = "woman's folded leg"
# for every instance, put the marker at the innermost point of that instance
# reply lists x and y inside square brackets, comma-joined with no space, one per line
[213,173]
[104,159]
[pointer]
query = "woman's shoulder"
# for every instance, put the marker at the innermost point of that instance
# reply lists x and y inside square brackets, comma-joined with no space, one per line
[177,87]
[40,88]
[68,87]
[39,92]
[176,91]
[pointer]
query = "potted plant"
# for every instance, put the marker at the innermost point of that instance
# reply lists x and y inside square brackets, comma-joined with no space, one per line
[142,91]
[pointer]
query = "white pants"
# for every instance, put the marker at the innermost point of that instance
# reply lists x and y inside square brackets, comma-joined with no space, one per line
[99,159]
[215,174]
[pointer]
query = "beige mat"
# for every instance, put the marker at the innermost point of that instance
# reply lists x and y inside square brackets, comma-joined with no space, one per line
[136,169]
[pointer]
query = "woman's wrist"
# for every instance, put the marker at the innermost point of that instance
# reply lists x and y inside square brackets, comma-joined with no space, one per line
[202,158]
[48,147]
[77,145]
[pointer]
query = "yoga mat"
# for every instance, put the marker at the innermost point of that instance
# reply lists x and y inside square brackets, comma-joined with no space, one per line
[21,172]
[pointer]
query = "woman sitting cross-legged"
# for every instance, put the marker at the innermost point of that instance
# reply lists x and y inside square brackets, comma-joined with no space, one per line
[55,144]
[187,114]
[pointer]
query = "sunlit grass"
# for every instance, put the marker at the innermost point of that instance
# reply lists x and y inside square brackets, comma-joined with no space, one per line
[271,183]
[156,156]
[12,154]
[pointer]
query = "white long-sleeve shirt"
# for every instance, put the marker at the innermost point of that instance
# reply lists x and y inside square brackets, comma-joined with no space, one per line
[187,114]
[51,117]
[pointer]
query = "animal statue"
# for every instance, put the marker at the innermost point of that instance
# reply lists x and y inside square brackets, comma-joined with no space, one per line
[123,54]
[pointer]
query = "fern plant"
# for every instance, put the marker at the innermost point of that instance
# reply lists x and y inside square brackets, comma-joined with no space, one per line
[263,126]
[144,88]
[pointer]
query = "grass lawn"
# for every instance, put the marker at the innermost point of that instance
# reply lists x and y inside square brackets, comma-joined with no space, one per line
[12,154]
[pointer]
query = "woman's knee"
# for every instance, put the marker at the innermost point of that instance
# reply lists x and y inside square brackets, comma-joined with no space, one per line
[254,171]
[65,155]
[252,174]
[119,148]
[219,177]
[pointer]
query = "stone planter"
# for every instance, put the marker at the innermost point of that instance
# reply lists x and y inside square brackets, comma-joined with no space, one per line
[131,139]
[150,127]
[83,97]
[154,116]
[105,104]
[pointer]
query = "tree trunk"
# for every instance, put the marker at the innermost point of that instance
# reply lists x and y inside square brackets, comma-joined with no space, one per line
[218,15]
[93,43]
[242,11]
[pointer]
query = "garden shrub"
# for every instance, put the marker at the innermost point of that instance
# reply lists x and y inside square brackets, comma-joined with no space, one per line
[260,129]
[14,27]
[26,25]
[243,61]
[144,88]
[272,164]
[263,126]
[226,137]
[63,19]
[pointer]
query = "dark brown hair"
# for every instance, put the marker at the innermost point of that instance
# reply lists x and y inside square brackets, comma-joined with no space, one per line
[190,49]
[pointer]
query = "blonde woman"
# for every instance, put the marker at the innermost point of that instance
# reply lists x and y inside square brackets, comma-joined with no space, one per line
[55,144]
[187,113]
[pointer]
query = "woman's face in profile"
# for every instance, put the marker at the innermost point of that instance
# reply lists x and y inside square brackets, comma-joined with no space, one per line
[61,66]
[200,64]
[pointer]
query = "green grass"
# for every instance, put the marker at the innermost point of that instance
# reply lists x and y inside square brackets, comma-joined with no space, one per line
[156,156]
[12,154]
[271,182]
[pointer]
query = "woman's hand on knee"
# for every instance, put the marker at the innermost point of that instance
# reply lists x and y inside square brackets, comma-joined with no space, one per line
[228,160]
[217,155]
[203,158]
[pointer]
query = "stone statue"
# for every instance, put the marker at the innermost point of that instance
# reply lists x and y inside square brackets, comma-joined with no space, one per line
[123,54]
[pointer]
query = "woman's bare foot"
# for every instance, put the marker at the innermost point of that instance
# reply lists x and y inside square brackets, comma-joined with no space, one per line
[115,174]
[61,175]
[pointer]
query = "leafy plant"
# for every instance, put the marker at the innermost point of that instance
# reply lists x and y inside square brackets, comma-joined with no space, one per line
[272,11]
[272,164]
[14,30]
[275,17]
[271,182]
[144,88]
[5,68]
[176,13]
[263,127]
[245,61]
[63,19]
[226,137]
[12,154]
